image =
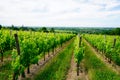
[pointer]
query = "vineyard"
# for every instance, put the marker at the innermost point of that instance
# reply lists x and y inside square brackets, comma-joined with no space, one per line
[32,55]
[109,46]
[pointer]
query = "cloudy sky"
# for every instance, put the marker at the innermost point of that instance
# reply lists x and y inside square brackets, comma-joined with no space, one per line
[60,12]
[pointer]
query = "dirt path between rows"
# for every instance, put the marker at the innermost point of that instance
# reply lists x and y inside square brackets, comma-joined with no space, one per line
[72,75]
[72,71]
[35,68]
[102,58]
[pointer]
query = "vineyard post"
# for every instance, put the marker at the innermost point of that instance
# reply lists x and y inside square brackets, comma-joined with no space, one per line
[105,43]
[48,44]
[28,66]
[44,55]
[114,42]
[77,69]
[10,40]
[80,41]
[54,44]
[17,43]
[18,50]
[28,69]
[1,56]
[44,52]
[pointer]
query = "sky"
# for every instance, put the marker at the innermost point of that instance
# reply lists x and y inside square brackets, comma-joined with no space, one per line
[80,13]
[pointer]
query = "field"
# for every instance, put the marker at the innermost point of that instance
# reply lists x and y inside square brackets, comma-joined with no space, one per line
[34,55]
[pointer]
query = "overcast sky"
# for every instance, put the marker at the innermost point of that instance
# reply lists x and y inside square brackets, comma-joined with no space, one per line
[60,12]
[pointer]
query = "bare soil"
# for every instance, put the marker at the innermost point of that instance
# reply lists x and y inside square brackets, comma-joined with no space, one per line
[72,74]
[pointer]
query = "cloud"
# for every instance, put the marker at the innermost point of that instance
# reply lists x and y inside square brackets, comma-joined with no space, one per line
[60,12]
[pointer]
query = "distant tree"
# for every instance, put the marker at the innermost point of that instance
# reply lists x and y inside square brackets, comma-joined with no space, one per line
[44,29]
[117,31]
[0,26]
[12,27]
[52,30]
[22,27]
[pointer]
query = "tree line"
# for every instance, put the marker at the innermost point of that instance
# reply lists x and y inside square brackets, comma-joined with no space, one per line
[108,31]
[23,28]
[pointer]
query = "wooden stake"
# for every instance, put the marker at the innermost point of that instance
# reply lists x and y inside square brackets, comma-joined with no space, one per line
[77,69]
[44,55]
[80,41]
[28,69]
[17,43]
[54,47]
[1,56]
[14,76]
[18,50]
[23,74]
[114,42]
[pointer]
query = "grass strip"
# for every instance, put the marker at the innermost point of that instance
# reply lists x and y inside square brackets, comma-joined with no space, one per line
[58,67]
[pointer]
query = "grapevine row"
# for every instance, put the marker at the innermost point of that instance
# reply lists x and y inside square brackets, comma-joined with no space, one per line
[32,46]
[108,45]
[78,51]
